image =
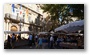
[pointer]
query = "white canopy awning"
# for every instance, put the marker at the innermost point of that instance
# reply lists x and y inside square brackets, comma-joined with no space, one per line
[70,25]
[17,32]
[42,33]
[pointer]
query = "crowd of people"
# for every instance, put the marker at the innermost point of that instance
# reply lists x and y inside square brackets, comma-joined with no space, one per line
[11,41]
[38,40]
[54,40]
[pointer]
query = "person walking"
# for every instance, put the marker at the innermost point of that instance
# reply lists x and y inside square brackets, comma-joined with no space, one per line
[36,41]
[40,42]
[19,37]
[30,40]
[58,42]
[13,40]
[8,42]
[51,42]
[36,38]
[33,39]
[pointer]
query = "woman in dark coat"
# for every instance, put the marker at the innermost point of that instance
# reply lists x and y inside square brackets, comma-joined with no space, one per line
[8,42]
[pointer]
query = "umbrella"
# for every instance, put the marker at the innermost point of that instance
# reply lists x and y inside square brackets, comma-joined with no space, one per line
[77,23]
[72,27]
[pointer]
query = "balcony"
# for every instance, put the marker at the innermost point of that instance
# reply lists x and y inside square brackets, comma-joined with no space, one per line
[13,18]
[7,15]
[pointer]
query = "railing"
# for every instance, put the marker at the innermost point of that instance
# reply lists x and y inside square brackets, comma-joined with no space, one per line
[7,15]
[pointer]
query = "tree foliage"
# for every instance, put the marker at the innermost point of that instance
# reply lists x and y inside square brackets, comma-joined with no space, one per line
[64,12]
[53,9]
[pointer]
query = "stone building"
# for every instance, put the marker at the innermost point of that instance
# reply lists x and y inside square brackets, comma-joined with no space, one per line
[23,17]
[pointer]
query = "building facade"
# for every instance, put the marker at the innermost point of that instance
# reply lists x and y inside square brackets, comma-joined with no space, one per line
[23,17]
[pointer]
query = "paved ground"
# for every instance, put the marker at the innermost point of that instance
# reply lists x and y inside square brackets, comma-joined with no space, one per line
[23,44]
[44,46]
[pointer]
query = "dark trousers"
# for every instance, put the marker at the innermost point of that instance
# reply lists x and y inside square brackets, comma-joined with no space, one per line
[33,42]
[9,45]
[36,39]
[30,42]
[51,44]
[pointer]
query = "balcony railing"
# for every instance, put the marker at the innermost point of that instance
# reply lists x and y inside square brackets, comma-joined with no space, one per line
[11,16]
[7,15]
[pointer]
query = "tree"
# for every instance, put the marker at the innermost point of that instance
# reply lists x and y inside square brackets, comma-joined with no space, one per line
[64,12]
[54,10]
[78,10]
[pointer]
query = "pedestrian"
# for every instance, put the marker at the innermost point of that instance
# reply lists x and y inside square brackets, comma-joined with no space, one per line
[13,40]
[8,42]
[36,38]
[19,38]
[55,39]
[51,42]
[40,42]
[58,41]
[30,40]
[33,39]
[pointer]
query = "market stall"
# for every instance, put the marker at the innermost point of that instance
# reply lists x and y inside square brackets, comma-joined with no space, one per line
[71,27]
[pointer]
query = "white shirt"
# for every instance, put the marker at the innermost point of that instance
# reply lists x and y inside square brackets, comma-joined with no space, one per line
[51,39]
[36,36]
[30,37]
